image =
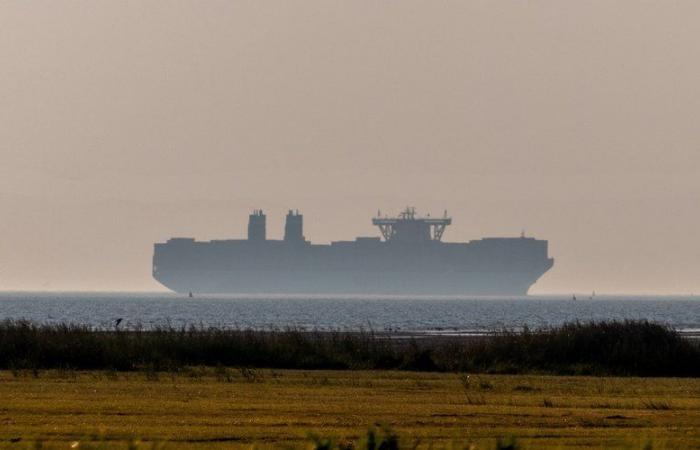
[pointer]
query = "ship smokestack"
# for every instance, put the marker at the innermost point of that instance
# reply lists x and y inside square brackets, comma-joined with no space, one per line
[256,226]
[293,227]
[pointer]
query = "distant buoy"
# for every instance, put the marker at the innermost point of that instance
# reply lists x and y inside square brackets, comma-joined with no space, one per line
[191,294]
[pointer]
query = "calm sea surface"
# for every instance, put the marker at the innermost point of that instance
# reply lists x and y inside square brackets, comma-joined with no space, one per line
[438,315]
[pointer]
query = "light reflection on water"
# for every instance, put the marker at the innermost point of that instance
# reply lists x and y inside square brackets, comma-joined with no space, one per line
[438,314]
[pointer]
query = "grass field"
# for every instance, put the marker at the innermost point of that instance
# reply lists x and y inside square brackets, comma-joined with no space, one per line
[234,408]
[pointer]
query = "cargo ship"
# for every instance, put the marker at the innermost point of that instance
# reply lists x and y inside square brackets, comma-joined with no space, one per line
[408,257]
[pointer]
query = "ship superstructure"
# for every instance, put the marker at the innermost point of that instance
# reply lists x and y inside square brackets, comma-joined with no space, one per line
[409,258]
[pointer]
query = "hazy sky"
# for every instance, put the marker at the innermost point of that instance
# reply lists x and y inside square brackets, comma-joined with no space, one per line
[123,123]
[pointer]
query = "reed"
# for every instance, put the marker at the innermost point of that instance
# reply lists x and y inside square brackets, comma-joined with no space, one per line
[637,348]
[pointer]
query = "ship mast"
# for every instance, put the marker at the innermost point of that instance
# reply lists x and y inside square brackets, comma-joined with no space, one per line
[409,227]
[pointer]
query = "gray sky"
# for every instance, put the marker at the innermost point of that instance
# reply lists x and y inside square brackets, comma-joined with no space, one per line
[123,123]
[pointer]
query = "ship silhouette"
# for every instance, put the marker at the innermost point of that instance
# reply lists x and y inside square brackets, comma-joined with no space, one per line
[409,258]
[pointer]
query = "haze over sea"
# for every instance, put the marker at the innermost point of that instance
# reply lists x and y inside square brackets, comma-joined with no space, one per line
[405,314]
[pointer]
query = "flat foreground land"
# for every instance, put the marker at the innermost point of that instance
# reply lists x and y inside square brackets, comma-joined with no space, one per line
[231,408]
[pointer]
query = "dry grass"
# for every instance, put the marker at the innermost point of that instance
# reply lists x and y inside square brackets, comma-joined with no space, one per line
[233,408]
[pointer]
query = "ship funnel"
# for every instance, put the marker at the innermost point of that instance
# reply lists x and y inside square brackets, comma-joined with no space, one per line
[294,227]
[256,226]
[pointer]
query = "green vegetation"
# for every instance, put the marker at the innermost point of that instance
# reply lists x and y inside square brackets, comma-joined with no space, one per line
[220,407]
[633,348]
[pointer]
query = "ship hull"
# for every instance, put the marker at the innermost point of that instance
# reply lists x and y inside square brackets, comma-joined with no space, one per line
[250,282]
[497,267]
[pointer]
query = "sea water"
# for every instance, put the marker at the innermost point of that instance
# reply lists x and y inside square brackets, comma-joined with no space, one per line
[401,314]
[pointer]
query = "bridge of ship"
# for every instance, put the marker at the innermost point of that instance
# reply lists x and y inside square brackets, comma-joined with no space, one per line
[408,227]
